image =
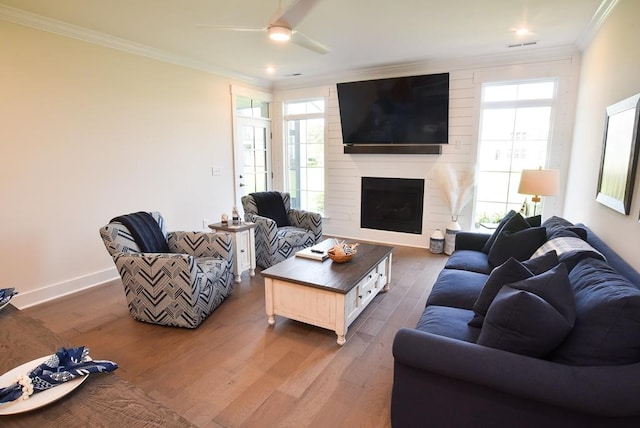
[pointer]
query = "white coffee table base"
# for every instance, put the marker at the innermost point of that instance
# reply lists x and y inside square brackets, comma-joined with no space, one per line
[324,308]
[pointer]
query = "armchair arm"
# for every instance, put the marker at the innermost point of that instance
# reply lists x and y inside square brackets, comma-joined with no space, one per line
[265,230]
[471,240]
[307,220]
[606,390]
[201,244]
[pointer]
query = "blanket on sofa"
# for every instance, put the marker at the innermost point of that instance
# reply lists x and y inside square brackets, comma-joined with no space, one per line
[270,205]
[145,231]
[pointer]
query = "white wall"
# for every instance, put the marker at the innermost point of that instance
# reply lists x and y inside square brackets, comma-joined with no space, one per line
[610,72]
[344,171]
[89,133]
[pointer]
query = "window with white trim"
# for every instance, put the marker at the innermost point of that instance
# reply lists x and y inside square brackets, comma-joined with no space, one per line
[515,133]
[304,135]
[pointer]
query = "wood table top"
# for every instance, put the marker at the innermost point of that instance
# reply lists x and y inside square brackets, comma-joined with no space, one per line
[328,275]
[103,400]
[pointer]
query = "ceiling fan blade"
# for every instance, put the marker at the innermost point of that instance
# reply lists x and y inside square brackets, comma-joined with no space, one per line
[231,27]
[294,13]
[301,40]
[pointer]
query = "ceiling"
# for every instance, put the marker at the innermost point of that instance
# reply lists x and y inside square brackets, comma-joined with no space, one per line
[362,34]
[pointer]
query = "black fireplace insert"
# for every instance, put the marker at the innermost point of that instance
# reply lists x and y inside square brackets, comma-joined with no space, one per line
[393,204]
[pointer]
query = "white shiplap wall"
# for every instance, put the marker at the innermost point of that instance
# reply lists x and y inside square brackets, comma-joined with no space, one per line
[344,171]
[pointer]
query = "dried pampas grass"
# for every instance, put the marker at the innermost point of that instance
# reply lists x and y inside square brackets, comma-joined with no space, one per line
[457,190]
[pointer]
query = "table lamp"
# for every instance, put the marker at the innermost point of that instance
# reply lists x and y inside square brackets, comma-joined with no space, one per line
[538,182]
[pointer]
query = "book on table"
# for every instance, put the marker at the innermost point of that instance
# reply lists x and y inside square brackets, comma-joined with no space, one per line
[318,251]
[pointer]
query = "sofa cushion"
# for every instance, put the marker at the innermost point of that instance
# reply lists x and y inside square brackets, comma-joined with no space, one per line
[492,238]
[570,250]
[449,322]
[607,328]
[510,271]
[291,237]
[469,260]
[518,244]
[457,288]
[559,227]
[531,317]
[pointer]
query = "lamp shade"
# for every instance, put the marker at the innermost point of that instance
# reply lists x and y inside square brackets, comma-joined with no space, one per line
[539,182]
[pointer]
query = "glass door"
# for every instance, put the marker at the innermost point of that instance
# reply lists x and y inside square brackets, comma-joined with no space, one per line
[251,142]
[252,156]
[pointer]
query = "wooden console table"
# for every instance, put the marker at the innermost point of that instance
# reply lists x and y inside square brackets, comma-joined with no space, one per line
[103,400]
[327,294]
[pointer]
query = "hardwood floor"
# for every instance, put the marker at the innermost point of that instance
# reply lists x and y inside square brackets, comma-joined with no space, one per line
[235,370]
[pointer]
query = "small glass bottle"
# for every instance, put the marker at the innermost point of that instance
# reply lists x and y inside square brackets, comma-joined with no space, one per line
[235,217]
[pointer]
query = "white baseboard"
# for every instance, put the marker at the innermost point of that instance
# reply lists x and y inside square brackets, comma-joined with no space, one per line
[35,297]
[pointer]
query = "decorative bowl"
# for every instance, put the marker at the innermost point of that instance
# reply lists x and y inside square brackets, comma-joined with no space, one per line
[344,254]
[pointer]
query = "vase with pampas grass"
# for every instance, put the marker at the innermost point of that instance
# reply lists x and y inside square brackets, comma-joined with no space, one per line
[458,190]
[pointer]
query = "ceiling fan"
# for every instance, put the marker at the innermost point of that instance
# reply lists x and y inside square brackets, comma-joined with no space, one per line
[281,26]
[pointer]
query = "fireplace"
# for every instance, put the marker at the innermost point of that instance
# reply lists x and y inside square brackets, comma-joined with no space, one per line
[393,204]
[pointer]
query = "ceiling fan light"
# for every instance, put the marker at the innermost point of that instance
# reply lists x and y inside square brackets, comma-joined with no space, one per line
[280,34]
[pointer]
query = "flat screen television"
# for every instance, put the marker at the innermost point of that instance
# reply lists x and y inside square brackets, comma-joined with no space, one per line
[402,110]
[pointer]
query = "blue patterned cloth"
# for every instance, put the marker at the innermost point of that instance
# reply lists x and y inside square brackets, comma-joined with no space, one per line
[65,365]
[6,294]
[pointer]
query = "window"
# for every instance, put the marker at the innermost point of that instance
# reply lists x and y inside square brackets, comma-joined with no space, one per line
[515,134]
[304,124]
[248,107]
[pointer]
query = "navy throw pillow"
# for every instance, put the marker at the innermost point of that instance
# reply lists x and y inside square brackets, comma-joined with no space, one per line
[520,245]
[492,238]
[510,271]
[542,263]
[531,317]
[534,221]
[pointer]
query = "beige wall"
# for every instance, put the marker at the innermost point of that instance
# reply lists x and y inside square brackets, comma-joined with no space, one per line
[88,133]
[610,72]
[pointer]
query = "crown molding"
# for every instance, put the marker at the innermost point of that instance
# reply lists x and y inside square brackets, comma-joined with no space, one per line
[524,56]
[598,18]
[28,19]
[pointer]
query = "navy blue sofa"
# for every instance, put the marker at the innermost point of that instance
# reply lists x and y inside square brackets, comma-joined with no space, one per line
[444,378]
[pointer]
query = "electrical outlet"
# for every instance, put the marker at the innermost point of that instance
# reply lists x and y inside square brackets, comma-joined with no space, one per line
[216,170]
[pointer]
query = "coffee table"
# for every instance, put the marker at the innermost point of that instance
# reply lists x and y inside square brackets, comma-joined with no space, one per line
[324,293]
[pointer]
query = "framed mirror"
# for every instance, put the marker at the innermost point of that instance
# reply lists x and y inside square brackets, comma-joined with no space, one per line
[619,155]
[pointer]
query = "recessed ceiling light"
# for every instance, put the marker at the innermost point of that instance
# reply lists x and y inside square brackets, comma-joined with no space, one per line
[522,31]
[270,69]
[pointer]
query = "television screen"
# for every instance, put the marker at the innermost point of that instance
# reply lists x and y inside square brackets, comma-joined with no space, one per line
[401,110]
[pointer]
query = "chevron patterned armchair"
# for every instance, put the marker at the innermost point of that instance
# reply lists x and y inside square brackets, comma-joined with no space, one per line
[298,229]
[180,288]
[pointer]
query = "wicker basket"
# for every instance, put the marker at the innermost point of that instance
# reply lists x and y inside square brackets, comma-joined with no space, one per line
[343,258]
